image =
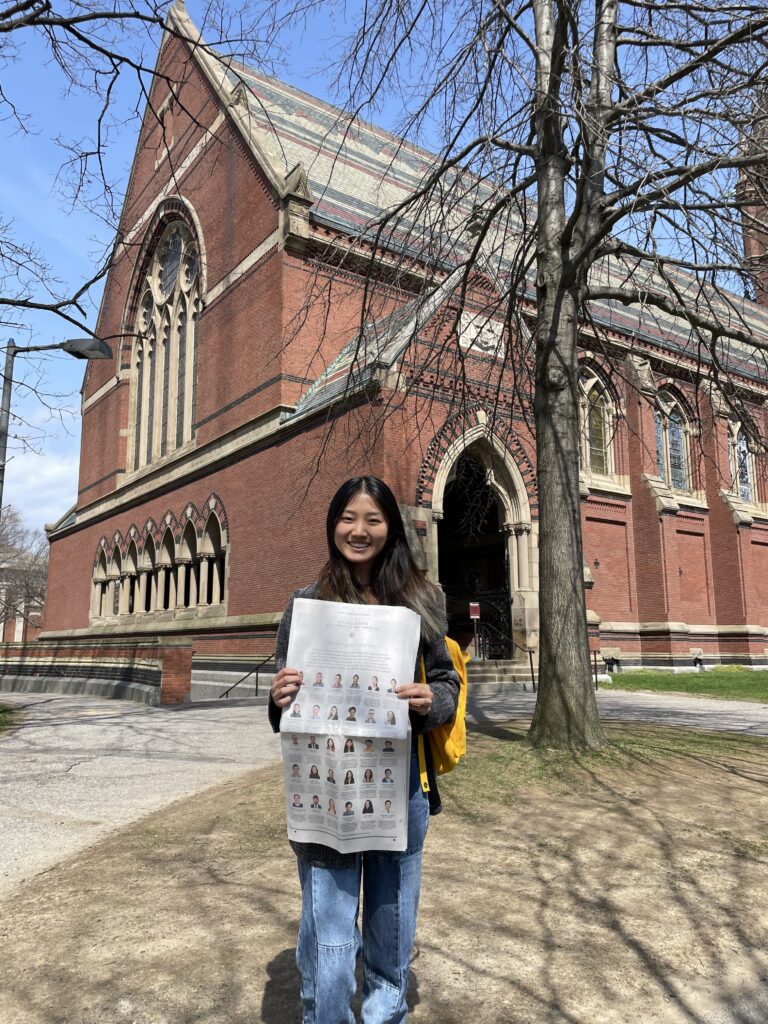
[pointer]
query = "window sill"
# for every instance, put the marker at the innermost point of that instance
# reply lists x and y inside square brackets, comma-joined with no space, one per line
[595,483]
[166,615]
[744,512]
[669,499]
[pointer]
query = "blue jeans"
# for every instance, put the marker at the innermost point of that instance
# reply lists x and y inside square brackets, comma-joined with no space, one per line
[329,938]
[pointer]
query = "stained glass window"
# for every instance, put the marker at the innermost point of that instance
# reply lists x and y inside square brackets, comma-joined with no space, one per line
[164,372]
[597,428]
[170,262]
[744,466]
[596,424]
[671,444]
[661,445]
[677,463]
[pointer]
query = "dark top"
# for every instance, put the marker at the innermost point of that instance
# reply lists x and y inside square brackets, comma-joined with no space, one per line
[444,683]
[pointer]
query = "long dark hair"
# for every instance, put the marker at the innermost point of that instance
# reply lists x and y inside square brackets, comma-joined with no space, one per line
[395,577]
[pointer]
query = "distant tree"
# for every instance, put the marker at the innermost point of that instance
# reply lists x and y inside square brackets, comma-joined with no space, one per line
[23,569]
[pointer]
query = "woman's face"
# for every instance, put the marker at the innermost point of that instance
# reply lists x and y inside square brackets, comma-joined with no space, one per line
[361,532]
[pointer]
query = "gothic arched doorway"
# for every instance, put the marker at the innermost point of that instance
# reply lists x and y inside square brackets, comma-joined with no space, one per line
[473,556]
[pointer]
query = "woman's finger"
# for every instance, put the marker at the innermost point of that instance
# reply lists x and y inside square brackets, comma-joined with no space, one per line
[285,685]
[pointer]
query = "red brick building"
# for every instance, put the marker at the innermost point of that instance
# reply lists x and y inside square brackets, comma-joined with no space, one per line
[242,392]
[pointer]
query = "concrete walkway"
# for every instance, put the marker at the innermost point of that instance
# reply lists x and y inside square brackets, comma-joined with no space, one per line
[653,708]
[80,767]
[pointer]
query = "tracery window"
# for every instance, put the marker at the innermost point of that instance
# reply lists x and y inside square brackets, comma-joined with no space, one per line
[164,353]
[596,410]
[672,442]
[742,463]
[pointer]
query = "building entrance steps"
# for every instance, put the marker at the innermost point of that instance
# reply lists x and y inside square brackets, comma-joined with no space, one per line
[493,676]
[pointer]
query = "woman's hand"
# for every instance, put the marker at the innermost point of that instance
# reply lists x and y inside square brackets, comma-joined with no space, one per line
[418,695]
[285,686]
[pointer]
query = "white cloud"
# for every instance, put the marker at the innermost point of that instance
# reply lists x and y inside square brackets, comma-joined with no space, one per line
[41,487]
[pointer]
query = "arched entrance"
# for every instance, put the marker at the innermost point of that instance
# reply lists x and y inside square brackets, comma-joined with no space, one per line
[473,559]
[480,535]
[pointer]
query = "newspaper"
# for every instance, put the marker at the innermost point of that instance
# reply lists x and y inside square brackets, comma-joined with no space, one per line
[346,736]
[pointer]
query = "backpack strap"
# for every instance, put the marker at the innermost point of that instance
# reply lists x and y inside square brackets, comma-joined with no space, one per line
[423,777]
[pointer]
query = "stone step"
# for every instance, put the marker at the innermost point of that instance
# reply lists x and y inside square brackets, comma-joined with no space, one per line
[212,690]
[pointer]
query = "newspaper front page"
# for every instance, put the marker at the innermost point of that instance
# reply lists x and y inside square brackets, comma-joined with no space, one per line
[346,737]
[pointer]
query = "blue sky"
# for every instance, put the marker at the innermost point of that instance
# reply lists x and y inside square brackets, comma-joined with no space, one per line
[41,476]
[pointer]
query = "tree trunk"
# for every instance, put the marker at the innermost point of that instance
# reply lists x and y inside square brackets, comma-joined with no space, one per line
[566,709]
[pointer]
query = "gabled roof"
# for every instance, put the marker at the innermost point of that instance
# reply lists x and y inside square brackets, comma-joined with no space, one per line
[375,348]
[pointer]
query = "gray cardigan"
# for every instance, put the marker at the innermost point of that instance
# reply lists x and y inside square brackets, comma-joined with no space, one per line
[444,683]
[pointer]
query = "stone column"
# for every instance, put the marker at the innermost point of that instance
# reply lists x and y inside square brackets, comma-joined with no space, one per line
[181,574]
[152,583]
[160,588]
[218,583]
[204,568]
[142,591]
[522,532]
[192,585]
[112,585]
[122,600]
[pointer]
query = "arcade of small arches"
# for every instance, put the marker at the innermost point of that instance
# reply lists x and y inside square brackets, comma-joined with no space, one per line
[178,567]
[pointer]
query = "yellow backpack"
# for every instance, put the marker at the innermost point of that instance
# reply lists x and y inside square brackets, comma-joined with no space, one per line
[448,742]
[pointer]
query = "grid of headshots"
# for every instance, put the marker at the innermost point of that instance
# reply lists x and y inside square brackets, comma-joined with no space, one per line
[337,776]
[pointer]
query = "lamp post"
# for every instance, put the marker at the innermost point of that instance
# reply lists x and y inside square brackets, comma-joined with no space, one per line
[80,348]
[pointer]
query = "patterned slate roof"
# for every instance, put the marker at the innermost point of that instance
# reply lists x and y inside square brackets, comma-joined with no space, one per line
[357,171]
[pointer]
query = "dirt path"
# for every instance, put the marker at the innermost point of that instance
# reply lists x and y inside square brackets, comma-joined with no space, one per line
[621,894]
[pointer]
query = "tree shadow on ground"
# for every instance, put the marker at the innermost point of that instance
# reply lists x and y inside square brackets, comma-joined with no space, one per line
[631,891]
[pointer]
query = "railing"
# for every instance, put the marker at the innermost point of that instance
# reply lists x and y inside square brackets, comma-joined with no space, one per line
[256,668]
[490,640]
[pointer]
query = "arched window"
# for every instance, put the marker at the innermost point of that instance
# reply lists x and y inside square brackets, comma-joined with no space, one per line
[164,352]
[742,463]
[596,424]
[148,579]
[672,444]
[212,563]
[115,574]
[187,572]
[165,586]
[100,588]
[130,579]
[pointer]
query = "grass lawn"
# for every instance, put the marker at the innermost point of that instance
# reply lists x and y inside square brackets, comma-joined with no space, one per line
[6,717]
[730,683]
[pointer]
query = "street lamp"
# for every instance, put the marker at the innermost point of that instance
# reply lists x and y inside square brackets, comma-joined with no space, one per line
[80,348]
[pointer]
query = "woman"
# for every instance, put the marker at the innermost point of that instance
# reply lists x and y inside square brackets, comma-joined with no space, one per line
[368,776]
[333,714]
[313,772]
[349,747]
[331,806]
[367,807]
[330,746]
[369,562]
[349,779]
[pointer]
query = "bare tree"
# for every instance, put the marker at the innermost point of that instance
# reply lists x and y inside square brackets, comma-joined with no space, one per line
[105,50]
[102,52]
[590,156]
[23,569]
